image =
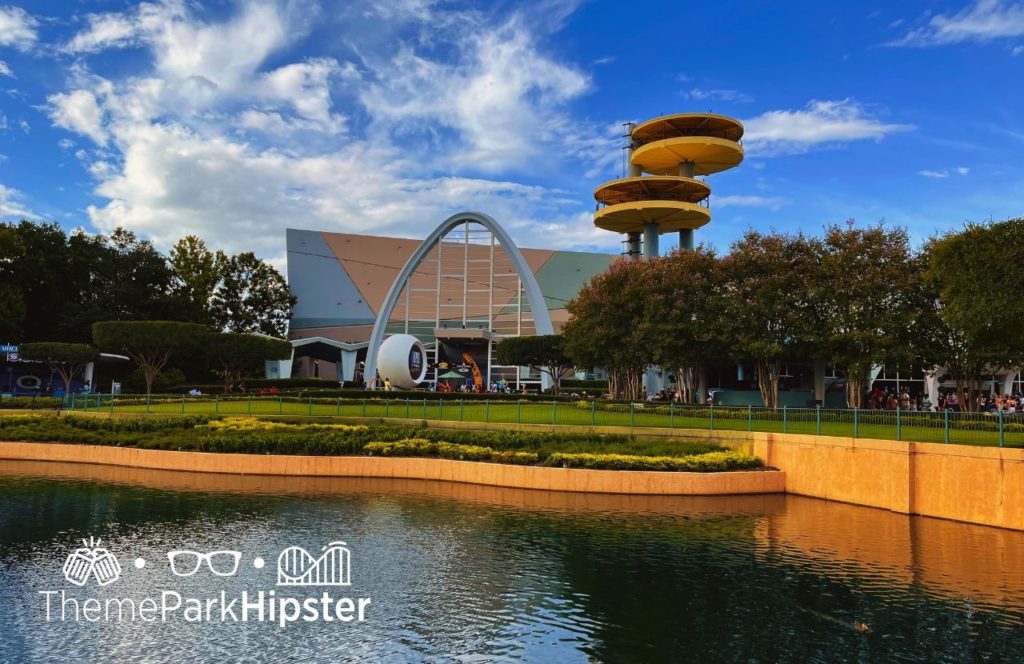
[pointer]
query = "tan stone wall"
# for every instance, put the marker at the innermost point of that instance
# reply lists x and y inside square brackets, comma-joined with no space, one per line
[470,472]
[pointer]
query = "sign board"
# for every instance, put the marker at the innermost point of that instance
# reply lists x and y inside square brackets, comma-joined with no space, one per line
[8,348]
[115,388]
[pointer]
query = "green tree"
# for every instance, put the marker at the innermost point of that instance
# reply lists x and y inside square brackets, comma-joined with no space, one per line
[602,330]
[40,277]
[197,272]
[767,313]
[975,275]
[239,354]
[684,314]
[252,297]
[864,297]
[12,304]
[542,353]
[68,360]
[150,344]
[128,279]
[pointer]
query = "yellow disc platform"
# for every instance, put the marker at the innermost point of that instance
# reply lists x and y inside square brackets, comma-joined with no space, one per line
[708,154]
[669,215]
[668,188]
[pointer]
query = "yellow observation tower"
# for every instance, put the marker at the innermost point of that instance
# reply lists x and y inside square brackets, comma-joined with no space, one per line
[661,193]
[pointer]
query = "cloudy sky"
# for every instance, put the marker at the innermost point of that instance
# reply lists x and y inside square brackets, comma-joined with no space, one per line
[234,119]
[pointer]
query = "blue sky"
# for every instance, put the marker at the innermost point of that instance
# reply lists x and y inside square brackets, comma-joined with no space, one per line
[234,120]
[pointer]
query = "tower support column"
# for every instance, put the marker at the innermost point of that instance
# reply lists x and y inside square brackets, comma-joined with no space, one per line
[686,239]
[633,246]
[650,241]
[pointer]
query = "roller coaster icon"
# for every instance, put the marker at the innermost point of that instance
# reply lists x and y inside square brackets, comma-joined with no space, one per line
[297,567]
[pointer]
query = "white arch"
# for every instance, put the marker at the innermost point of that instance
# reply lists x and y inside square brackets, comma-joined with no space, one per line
[541,318]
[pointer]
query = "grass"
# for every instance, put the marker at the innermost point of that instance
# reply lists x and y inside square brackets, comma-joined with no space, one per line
[964,428]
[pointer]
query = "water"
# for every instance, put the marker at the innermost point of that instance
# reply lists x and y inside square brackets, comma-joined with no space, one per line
[472,574]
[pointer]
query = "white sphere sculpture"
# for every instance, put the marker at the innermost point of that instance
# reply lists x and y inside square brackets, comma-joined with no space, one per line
[403,359]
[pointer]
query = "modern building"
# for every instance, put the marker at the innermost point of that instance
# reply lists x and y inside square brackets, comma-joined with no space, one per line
[459,290]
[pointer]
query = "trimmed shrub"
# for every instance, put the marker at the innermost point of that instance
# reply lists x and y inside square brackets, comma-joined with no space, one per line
[702,463]
[25,403]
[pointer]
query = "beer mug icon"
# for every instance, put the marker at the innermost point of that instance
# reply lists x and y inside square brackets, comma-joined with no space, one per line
[91,560]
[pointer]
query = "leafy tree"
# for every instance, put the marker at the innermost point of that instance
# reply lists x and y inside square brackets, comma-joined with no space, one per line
[38,277]
[863,294]
[252,297]
[150,344]
[68,360]
[684,315]
[128,279]
[543,353]
[767,314]
[239,354]
[603,331]
[197,272]
[975,273]
[12,304]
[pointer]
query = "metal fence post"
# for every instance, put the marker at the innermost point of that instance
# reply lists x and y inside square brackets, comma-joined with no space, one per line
[856,423]
[309,406]
[280,405]
[250,405]
[945,424]
[440,409]
[364,407]
[785,419]
[711,422]
[387,407]
[593,413]
[1002,429]
[182,404]
[750,417]
[462,410]
[216,404]
[554,412]
[149,400]
[519,411]
[632,417]
[424,408]
[407,409]
[817,426]
[671,416]
[487,410]
[72,400]
[337,407]
[899,426]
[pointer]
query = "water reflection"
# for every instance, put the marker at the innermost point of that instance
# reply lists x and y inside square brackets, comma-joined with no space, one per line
[480,573]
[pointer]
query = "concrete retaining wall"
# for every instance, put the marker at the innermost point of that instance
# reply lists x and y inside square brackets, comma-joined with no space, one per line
[470,472]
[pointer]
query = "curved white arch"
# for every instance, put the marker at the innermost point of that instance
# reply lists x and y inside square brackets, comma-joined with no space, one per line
[541,319]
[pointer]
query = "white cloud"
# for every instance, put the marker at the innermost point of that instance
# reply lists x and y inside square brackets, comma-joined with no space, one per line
[982,20]
[12,204]
[775,133]
[769,202]
[1017,50]
[5,69]
[225,137]
[699,94]
[17,28]
[78,111]
[501,97]
[104,31]
[945,173]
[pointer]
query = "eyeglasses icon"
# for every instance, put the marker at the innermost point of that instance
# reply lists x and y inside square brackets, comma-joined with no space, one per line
[187,563]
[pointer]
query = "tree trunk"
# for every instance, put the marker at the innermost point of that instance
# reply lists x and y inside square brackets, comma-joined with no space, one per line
[686,383]
[768,382]
[855,388]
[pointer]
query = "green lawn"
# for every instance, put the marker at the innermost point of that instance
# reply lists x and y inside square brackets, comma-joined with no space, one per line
[963,428]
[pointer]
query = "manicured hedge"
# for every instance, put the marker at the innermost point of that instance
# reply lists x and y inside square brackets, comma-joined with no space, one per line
[41,403]
[281,436]
[589,385]
[421,447]
[701,463]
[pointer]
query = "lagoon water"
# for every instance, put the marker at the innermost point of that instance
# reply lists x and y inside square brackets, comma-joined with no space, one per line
[474,574]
